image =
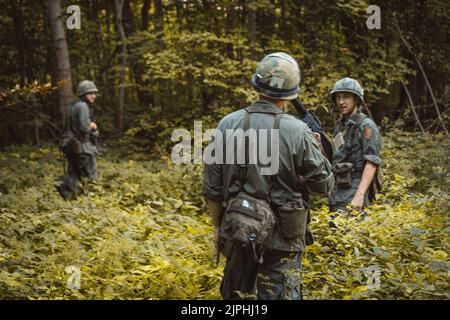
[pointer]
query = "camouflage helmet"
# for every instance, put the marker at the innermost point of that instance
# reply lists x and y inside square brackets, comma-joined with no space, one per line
[86,86]
[347,85]
[277,76]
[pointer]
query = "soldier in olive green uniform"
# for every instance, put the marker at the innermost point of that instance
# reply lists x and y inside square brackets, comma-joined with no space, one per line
[356,149]
[276,79]
[77,143]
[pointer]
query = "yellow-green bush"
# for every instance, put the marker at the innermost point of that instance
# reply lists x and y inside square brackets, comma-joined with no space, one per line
[143,232]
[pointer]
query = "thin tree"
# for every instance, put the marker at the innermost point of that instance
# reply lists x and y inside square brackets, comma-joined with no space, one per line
[413,109]
[159,22]
[118,5]
[63,73]
[145,14]
[408,46]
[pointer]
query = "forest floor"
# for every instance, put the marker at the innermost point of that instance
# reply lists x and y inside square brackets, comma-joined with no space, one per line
[143,232]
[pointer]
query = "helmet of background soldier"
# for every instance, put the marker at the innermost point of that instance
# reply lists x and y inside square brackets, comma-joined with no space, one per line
[347,85]
[86,86]
[277,76]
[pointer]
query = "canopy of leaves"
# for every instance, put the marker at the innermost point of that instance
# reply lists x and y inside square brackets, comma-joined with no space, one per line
[190,60]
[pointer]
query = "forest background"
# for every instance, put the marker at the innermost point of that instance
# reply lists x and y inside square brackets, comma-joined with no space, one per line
[143,231]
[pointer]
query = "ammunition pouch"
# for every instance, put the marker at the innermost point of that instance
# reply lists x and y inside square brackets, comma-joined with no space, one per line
[293,217]
[249,221]
[66,141]
[69,144]
[343,174]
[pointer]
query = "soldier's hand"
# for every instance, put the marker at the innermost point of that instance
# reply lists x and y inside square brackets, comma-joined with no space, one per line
[93,125]
[317,136]
[357,202]
[319,142]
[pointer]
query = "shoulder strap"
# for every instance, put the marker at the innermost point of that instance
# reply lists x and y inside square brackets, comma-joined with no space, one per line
[243,167]
[354,129]
[360,119]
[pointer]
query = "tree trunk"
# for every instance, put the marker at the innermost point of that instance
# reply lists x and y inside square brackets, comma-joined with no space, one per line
[128,19]
[179,13]
[251,26]
[145,14]
[63,73]
[229,24]
[159,22]
[419,64]
[413,109]
[118,5]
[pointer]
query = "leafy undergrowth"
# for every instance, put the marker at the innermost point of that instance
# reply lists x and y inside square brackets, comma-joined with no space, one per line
[143,232]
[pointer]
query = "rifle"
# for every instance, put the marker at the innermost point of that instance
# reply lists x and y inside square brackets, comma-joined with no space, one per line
[314,124]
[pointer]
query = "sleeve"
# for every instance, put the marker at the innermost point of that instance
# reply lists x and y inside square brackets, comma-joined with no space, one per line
[213,179]
[314,166]
[83,118]
[371,142]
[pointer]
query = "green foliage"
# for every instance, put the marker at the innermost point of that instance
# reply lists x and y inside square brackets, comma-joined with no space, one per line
[139,234]
[200,65]
[143,231]
[405,233]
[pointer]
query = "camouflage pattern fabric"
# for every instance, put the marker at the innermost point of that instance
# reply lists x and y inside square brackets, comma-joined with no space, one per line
[361,143]
[277,76]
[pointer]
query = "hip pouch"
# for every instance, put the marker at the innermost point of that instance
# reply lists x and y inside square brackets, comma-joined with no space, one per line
[249,221]
[76,147]
[293,217]
[66,141]
[343,174]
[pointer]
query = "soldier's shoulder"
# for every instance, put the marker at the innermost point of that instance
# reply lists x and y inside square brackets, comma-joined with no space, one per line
[79,104]
[230,118]
[293,122]
[368,122]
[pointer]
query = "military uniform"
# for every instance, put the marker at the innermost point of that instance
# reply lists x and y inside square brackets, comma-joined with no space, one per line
[78,146]
[278,276]
[362,143]
[356,141]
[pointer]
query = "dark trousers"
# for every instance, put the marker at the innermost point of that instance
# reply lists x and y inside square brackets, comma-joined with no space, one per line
[277,278]
[79,165]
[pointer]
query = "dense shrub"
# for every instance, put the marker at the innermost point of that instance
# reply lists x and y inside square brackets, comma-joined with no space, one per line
[143,232]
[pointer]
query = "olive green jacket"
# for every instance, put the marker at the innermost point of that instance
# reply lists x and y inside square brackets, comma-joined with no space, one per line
[78,123]
[361,143]
[299,155]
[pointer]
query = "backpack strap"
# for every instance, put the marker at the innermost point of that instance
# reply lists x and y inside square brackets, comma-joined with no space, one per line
[244,167]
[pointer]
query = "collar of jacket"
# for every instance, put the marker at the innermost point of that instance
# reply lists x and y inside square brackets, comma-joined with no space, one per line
[352,120]
[264,106]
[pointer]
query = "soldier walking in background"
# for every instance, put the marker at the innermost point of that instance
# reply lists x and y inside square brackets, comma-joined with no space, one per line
[78,143]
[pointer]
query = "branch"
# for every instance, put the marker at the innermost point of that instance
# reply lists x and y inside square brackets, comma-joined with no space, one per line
[411,104]
[423,73]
